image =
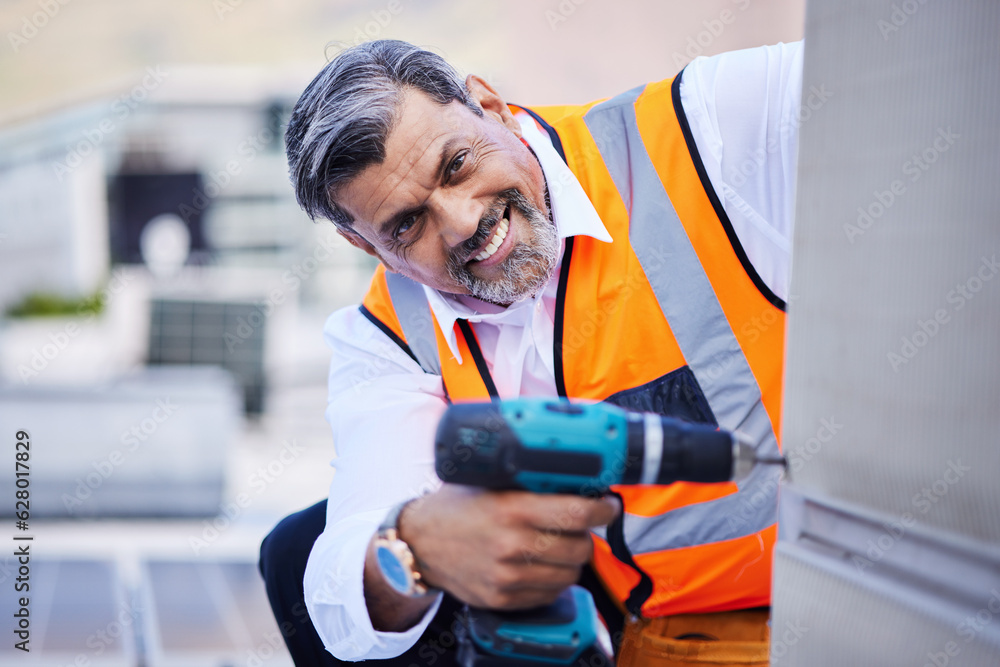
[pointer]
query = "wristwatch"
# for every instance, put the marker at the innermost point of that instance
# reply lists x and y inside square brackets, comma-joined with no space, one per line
[396,560]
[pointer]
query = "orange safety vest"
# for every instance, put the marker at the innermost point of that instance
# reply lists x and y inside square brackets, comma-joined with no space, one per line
[672,318]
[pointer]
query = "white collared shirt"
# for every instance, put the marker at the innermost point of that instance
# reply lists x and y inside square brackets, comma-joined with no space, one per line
[744,109]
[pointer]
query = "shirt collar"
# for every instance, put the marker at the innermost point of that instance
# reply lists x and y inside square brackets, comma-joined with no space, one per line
[572,212]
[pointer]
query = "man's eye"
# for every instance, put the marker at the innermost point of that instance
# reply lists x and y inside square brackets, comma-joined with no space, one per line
[406,225]
[456,164]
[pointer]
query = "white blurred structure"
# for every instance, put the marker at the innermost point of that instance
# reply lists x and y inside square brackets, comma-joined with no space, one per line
[151,444]
[165,244]
[53,225]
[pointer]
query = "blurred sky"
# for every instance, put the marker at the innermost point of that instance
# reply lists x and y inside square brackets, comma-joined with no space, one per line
[56,52]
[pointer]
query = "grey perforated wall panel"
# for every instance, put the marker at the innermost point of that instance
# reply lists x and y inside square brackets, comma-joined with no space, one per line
[832,615]
[882,343]
[889,527]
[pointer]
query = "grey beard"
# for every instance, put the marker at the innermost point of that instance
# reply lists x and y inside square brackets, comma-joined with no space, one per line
[527,268]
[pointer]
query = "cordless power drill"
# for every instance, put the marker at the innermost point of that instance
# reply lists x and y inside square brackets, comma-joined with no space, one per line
[553,446]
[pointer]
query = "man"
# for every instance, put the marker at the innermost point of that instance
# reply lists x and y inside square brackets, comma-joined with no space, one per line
[634,250]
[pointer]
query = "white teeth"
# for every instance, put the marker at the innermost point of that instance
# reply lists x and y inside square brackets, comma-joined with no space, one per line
[495,242]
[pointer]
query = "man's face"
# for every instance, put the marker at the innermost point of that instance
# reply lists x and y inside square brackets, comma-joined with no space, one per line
[458,204]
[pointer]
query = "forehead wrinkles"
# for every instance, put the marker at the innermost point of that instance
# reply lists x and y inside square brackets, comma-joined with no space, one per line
[413,164]
[413,149]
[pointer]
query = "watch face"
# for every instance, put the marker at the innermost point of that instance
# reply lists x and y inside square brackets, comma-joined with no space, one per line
[393,570]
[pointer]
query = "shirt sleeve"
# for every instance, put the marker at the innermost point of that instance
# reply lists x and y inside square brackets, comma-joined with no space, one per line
[745,109]
[383,410]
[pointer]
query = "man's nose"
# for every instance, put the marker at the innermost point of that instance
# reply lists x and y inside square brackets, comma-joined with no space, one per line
[458,216]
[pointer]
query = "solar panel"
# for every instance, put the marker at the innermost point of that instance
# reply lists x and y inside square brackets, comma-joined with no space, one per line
[209,613]
[79,613]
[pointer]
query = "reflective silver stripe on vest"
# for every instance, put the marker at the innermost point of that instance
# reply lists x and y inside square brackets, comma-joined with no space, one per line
[702,331]
[414,313]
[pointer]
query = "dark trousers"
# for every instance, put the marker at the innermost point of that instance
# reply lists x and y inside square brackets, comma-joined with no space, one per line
[283,556]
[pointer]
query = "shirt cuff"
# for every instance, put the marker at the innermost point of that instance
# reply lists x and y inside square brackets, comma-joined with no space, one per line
[334,592]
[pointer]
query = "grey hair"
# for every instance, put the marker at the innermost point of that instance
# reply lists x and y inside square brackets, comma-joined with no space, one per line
[341,122]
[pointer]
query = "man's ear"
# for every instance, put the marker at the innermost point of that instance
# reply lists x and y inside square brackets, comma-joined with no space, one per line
[491,102]
[359,241]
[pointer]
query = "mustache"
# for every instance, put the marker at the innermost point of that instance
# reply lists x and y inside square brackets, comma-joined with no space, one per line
[510,197]
[528,265]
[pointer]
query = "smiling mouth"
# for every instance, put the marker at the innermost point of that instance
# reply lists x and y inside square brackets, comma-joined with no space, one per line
[498,237]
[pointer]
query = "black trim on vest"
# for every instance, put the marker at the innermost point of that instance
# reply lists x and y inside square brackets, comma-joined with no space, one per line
[559,322]
[551,131]
[619,549]
[675,92]
[384,328]
[477,356]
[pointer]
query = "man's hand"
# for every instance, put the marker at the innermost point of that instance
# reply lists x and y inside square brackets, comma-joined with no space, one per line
[494,549]
[502,549]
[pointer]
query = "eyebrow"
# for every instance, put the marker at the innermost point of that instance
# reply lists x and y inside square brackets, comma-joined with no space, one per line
[385,229]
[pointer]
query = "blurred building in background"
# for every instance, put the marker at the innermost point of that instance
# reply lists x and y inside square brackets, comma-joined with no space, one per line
[187,165]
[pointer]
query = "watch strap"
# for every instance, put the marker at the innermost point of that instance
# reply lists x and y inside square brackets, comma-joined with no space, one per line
[391,519]
[388,535]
